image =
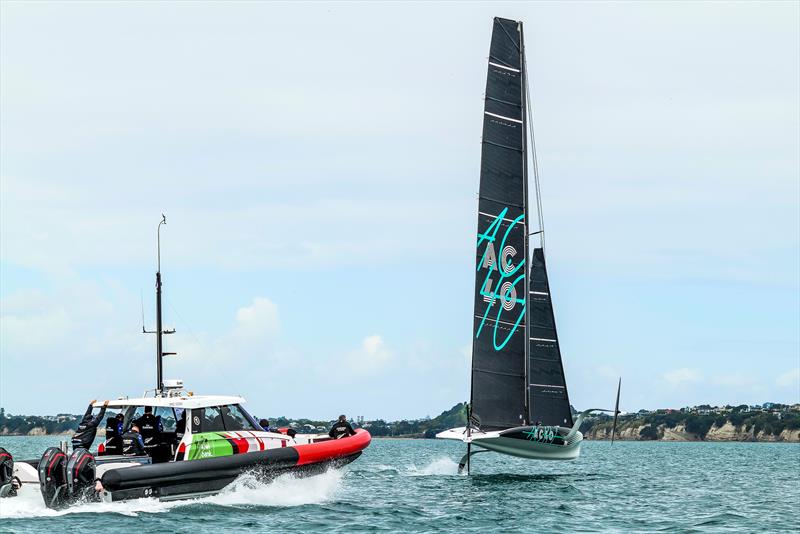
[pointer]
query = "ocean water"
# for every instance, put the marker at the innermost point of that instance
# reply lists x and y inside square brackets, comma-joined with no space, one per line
[413,486]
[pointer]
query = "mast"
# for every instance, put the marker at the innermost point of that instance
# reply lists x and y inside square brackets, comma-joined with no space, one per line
[159,331]
[159,328]
[526,243]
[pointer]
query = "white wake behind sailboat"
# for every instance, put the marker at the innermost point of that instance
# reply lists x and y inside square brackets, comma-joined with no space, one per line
[519,403]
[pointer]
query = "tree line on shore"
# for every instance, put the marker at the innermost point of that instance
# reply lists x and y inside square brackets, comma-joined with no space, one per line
[650,425]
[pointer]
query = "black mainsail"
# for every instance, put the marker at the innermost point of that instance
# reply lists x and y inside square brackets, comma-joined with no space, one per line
[517,378]
[498,348]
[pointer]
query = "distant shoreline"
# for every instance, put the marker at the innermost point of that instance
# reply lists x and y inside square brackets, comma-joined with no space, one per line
[795,438]
[770,422]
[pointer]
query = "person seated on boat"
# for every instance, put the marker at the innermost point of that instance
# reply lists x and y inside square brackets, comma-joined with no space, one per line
[132,442]
[264,424]
[113,443]
[341,428]
[87,429]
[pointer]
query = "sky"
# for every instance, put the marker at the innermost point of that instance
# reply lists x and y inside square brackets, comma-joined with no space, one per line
[318,166]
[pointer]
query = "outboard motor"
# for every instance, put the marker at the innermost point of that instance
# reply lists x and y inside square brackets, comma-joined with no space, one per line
[80,475]
[53,477]
[8,487]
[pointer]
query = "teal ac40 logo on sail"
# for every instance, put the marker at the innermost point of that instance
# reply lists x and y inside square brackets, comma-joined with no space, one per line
[502,286]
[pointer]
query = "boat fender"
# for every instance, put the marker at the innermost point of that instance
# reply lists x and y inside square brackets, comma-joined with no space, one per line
[53,477]
[8,482]
[80,475]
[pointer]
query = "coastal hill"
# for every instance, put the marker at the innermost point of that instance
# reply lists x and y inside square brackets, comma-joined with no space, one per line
[766,422]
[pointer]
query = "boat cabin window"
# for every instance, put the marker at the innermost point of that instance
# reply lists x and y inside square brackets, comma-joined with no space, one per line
[167,415]
[210,419]
[220,419]
[234,419]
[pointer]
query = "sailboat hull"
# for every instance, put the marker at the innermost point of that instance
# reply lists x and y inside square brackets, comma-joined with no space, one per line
[531,442]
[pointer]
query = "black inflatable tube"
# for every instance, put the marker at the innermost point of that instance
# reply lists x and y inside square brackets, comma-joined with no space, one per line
[189,471]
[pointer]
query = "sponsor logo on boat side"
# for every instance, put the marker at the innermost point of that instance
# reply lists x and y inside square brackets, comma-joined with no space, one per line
[209,445]
[542,434]
[503,286]
[213,444]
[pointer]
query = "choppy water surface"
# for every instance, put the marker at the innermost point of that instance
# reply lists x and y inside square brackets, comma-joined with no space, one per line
[413,485]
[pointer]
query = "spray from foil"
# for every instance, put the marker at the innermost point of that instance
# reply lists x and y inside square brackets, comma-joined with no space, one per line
[439,466]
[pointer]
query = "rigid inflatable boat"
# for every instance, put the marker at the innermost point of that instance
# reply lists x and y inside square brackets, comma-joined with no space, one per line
[219,442]
[191,445]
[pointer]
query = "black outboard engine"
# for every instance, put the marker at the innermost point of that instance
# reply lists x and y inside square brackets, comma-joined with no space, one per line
[63,480]
[80,476]
[8,487]
[113,443]
[53,477]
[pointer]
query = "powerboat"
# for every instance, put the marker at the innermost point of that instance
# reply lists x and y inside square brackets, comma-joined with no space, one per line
[205,443]
[195,445]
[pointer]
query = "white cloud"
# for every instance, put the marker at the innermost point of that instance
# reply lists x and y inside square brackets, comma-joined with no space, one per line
[258,320]
[252,339]
[790,378]
[372,357]
[684,375]
[734,380]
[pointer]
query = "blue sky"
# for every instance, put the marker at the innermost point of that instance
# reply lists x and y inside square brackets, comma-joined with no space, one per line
[318,166]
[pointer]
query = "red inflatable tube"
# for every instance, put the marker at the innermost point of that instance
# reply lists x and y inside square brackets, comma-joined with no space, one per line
[335,448]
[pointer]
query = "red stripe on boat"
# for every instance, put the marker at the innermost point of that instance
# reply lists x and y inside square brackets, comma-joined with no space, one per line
[241,445]
[335,448]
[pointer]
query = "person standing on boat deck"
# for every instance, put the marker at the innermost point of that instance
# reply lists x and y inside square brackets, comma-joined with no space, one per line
[264,424]
[341,428]
[132,442]
[150,428]
[114,434]
[87,429]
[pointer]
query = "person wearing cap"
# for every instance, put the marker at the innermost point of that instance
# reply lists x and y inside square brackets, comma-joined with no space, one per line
[341,428]
[87,429]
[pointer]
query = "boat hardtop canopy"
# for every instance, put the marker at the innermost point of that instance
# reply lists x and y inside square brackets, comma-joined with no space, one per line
[184,401]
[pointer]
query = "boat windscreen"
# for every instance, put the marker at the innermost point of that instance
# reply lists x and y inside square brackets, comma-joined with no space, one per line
[167,415]
[221,418]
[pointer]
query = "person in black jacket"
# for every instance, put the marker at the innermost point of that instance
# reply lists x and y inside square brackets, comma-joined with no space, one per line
[87,429]
[151,428]
[132,442]
[113,444]
[341,429]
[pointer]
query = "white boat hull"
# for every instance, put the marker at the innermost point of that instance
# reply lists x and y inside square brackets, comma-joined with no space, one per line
[533,443]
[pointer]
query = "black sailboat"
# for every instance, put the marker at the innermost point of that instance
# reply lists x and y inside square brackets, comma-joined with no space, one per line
[519,403]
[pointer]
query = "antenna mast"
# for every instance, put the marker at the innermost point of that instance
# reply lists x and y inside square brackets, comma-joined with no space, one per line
[159,331]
